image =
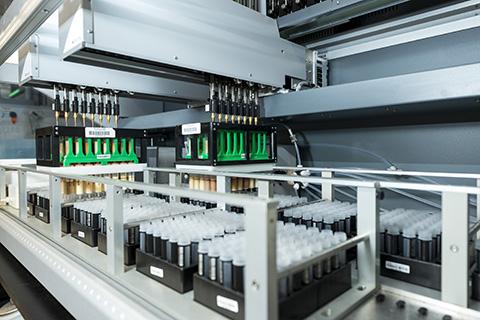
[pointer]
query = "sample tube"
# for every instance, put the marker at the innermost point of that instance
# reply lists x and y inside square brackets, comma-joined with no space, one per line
[283,289]
[297,217]
[157,243]
[342,256]
[317,221]
[203,258]
[238,268]
[213,255]
[195,242]
[143,229]
[149,240]
[426,245]
[184,253]
[328,222]
[226,261]
[172,250]
[164,245]
[327,263]
[408,248]
[382,238]
[392,239]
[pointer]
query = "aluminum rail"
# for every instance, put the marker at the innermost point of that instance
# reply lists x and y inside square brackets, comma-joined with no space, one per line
[323,255]
[20,21]
[384,172]
[333,181]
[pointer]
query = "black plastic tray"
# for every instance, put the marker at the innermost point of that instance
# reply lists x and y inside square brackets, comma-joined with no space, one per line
[298,305]
[171,275]
[85,234]
[413,271]
[129,250]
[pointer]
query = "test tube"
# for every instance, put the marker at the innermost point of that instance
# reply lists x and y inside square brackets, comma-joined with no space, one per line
[297,216]
[149,240]
[342,256]
[307,219]
[203,247]
[327,264]
[157,243]
[283,289]
[328,222]
[164,245]
[213,255]
[392,239]
[408,249]
[195,242]
[172,250]
[317,221]
[238,268]
[426,245]
[225,269]
[184,252]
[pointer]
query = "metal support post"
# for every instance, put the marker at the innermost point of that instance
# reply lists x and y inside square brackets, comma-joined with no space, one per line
[368,251]
[265,189]
[115,240]
[22,194]
[262,7]
[55,196]
[223,186]
[148,178]
[455,248]
[328,190]
[261,277]
[3,184]
[174,180]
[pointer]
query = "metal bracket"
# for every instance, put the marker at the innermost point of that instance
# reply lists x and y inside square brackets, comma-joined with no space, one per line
[55,196]
[22,194]
[115,240]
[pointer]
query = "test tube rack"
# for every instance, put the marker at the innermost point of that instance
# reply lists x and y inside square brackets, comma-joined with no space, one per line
[59,146]
[216,143]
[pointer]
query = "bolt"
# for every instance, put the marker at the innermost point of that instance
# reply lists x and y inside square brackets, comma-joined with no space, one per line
[110,229]
[400,304]
[90,31]
[175,92]
[380,298]
[447,317]
[175,57]
[454,248]
[423,311]
[255,285]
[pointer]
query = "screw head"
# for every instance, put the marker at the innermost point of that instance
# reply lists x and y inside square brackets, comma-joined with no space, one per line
[454,248]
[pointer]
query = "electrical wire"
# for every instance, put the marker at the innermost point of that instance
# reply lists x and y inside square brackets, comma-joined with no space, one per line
[294,140]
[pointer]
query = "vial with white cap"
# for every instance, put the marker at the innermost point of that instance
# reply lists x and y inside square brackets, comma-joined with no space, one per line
[225,269]
[184,252]
[392,239]
[238,273]
[328,222]
[342,256]
[426,245]
[283,262]
[408,248]
[203,247]
[142,234]
[157,243]
[213,255]
[149,240]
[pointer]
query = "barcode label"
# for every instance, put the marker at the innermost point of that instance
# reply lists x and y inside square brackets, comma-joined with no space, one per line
[228,304]
[81,234]
[156,271]
[103,156]
[99,132]
[191,128]
[403,268]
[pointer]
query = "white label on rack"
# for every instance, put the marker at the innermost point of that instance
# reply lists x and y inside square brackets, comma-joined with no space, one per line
[403,268]
[156,271]
[40,213]
[99,132]
[103,156]
[228,304]
[191,128]
[81,234]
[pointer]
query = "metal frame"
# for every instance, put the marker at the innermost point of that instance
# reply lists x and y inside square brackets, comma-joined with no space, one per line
[454,209]
[261,276]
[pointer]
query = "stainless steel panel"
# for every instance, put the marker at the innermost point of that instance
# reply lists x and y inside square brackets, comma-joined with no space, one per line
[20,21]
[172,38]
[40,65]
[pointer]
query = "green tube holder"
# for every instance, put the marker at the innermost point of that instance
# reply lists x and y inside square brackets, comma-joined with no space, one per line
[258,146]
[231,145]
[98,151]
